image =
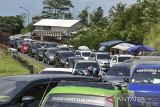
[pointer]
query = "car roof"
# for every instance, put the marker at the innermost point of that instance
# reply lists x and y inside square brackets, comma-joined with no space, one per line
[87,61]
[84,50]
[65,52]
[38,77]
[123,64]
[100,53]
[125,55]
[58,69]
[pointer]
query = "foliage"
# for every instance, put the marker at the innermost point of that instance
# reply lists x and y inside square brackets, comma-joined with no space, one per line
[84,16]
[152,39]
[57,9]
[8,66]
[11,24]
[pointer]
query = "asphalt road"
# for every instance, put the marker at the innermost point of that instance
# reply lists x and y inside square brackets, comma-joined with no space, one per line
[35,60]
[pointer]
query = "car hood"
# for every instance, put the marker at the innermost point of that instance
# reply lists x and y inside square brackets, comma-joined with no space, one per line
[114,79]
[104,61]
[145,90]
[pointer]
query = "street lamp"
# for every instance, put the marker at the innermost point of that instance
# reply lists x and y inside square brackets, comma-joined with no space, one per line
[27,13]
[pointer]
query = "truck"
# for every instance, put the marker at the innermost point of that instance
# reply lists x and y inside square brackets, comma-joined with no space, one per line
[144,81]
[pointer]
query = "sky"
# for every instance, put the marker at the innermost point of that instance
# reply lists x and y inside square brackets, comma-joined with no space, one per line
[12,7]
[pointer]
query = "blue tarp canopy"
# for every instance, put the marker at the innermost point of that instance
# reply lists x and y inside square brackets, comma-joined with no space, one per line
[105,45]
[111,43]
[137,48]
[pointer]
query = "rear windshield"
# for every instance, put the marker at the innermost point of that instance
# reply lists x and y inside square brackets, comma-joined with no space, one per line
[64,100]
[122,59]
[119,71]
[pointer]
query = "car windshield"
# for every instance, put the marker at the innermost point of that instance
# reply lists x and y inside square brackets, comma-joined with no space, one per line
[64,49]
[9,88]
[66,55]
[148,76]
[122,59]
[103,56]
[35,46]
[86,54]
[64,100]
[42,51]
[119,71]
[85,65]
[52,51]
[51,45]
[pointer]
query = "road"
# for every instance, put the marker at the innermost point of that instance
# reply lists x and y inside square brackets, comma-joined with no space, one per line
[36,61]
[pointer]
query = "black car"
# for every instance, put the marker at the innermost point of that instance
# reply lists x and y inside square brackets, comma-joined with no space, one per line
[29,90]
[32,49]
[118,73]
[40,53]
[61,58]
[49,56]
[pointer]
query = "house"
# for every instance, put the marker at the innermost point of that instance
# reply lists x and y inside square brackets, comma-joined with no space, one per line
[57,28]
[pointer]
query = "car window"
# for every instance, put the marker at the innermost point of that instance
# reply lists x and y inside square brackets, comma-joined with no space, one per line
[37,91]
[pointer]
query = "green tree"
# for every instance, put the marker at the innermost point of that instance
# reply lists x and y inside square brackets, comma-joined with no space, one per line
[84,16]
[97,18]
[57,9]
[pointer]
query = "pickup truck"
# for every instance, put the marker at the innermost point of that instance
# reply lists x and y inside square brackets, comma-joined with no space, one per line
[144,85]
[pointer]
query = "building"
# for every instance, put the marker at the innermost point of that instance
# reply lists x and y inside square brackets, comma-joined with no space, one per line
[57,28]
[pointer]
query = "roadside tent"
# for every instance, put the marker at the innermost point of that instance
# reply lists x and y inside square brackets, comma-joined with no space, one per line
[140,48]
[106,45]
[121,48]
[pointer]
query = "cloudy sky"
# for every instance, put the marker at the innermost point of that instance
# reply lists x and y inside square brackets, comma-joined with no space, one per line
[12,7]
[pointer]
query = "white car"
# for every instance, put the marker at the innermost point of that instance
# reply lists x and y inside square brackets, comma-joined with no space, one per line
[84,54]
[57,71]
[119,59]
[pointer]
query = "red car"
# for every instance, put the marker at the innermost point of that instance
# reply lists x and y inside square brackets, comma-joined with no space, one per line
[25,47]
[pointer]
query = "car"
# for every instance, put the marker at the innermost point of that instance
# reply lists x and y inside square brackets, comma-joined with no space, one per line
[119,59]
[61,57]
[25,46]
[70,62]
[85,94]
[145,85]
[103,59]
[40,53]
[32,49]
[84,54]
[56,71]
[49,56]
[18,43]
[51,45]
[29,90]
[85,67]
[118,73]
[63,48]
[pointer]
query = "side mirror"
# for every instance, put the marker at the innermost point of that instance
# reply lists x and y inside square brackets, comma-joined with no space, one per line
[126,79]
[28,99]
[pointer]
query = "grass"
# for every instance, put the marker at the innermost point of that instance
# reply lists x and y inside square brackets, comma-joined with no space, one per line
[9,66]
[37,67]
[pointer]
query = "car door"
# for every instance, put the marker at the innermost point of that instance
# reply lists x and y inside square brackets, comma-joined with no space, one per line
[36,90]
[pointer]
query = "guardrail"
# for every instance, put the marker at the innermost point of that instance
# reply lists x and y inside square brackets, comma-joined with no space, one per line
[24,63]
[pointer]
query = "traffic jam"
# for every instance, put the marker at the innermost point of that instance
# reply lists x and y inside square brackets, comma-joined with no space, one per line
[119,74]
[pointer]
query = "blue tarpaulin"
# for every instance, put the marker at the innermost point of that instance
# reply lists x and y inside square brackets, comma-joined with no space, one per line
[105,45]
[137,48]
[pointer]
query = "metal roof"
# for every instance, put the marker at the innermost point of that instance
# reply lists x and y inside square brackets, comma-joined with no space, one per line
[56,22]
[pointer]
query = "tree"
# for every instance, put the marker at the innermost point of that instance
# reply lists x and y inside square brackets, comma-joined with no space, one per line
[57,9]
[84,16]
[11,24]
[97,18]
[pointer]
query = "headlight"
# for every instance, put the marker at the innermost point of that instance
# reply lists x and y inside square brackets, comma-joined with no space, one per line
[131,93]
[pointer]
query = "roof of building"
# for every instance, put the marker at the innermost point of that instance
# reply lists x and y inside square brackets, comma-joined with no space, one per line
[56,22]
